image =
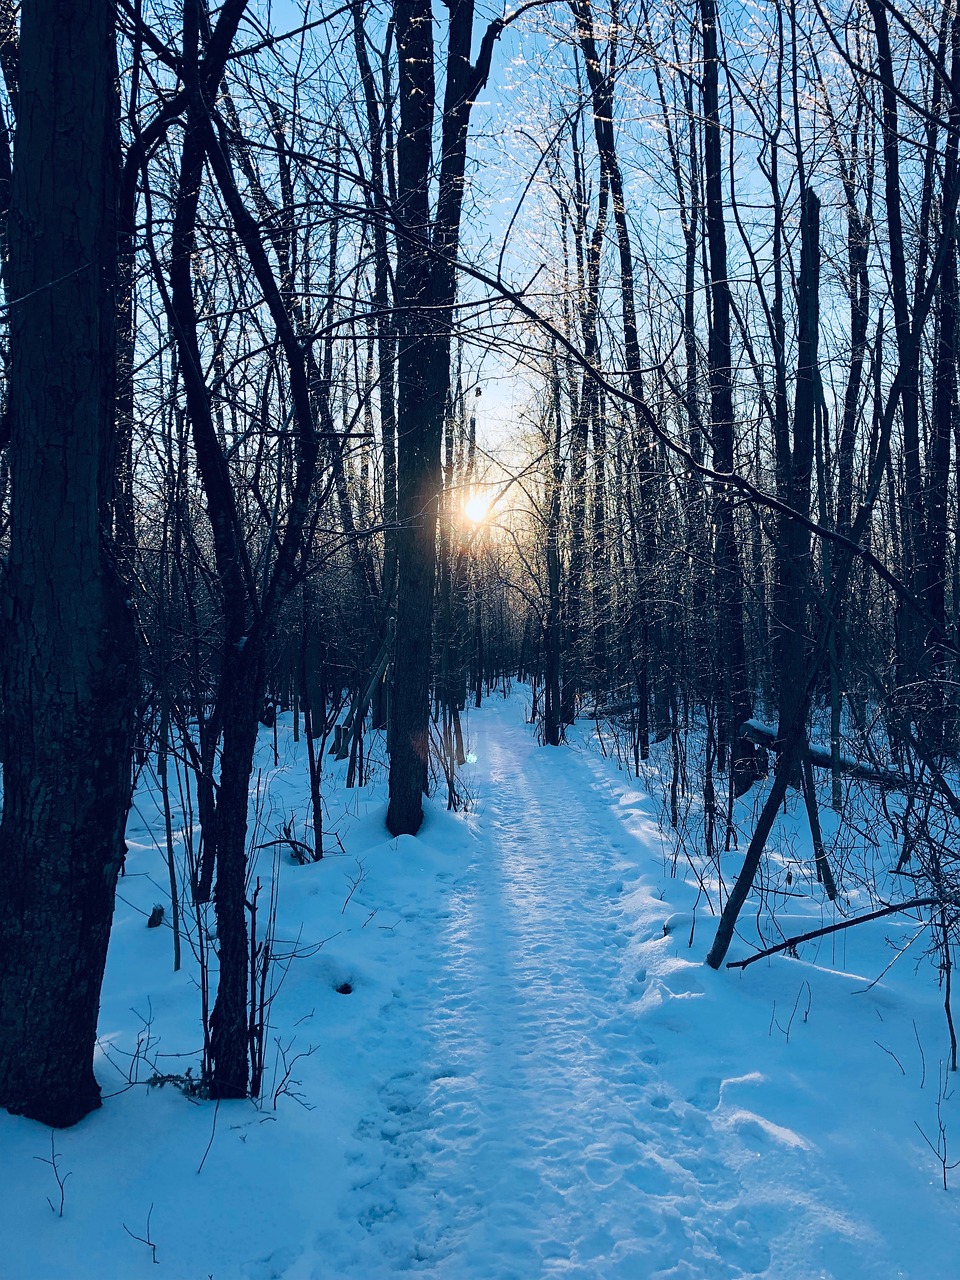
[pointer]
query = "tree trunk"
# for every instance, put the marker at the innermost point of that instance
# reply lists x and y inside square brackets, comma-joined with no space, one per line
[552,719]
[934,726]
[426,277]
[744,764]
[241,690]
[69,679]
[793,542]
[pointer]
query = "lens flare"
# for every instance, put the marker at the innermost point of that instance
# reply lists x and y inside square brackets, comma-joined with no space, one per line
[476,509]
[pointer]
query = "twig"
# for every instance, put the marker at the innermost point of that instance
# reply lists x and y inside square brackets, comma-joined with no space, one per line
[144,1239]
[61,1181]
[886,969]
[923,1061]
[354,886]
[940,1150]
[283,1087]
[213,1131]
[892,1055]
[796,1005]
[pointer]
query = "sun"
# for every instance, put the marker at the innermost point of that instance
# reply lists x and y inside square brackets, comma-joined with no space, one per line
[476,509]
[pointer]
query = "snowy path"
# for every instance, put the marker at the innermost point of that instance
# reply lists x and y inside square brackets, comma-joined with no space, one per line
[530,1077]
[530,1131]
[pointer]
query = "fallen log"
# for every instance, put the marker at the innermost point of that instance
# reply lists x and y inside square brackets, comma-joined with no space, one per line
[820,757]
[834,928]
[615,709]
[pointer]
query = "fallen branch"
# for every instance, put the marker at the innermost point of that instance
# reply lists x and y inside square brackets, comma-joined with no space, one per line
[302,852]
[765,736]
[833,928]
[615,709]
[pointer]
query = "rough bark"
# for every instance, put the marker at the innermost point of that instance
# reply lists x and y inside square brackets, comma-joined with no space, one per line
[69,675]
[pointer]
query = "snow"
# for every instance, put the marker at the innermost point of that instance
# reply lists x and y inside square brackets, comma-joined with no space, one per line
[533,1075]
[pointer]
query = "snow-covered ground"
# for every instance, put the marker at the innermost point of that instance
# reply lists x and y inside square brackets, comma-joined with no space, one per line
[533,1075]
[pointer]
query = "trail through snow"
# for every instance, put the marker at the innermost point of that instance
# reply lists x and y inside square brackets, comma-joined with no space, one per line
[534,1123]
[534,1074]
[528,1129]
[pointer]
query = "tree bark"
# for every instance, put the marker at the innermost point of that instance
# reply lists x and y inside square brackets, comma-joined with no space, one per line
[422,384]
[69,679]
[729,589]
[426,277]
[935,724]
[795,467]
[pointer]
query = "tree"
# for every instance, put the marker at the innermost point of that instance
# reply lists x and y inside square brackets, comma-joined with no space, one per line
[426,282]
[70,664]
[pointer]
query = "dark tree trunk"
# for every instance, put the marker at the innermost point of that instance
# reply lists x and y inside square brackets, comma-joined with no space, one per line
[377,127]
[426,287]
[793,543]
[934,727]
[242,685]
[909,637]
[552,720]
[422,383]
[589,253]
[602,78]
[69,678]
[423,368]
[737,699]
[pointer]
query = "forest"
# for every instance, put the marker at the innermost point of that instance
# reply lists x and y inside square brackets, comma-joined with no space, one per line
[369,364]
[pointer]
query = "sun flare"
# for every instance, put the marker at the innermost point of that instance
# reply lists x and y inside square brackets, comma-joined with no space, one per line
[476,509]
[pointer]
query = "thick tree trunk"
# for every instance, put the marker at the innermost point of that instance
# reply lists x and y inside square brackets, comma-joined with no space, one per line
[69,678]
[423,369]
[426,289]
[422,380]
[242,686]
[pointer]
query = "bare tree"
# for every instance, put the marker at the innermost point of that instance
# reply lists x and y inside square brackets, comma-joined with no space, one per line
[426,282]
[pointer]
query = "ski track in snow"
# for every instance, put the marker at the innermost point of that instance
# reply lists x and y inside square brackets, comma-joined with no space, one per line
[533,1134]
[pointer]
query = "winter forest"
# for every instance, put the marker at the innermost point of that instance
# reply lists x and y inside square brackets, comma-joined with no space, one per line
[479,578]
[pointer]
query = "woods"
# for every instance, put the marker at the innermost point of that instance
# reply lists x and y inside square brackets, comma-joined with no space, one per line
[360,363]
